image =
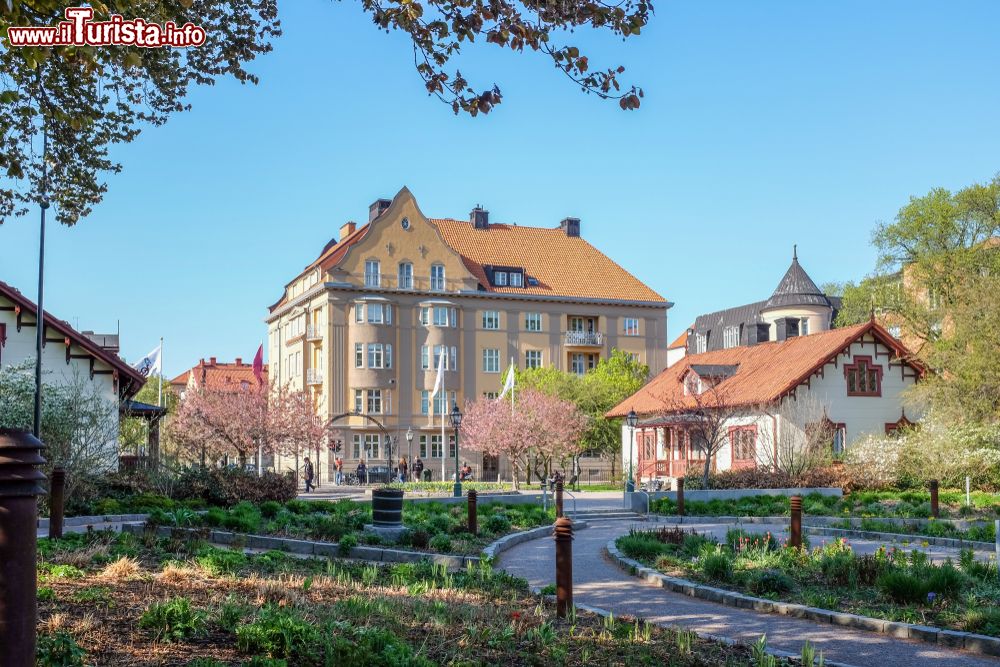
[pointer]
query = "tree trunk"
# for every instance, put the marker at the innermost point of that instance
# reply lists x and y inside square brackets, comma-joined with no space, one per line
[514,474]
[704,477]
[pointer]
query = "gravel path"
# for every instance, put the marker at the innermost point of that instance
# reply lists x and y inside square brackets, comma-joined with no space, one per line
[599,583]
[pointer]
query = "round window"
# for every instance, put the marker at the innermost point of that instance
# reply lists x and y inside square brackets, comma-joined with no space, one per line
[405,222]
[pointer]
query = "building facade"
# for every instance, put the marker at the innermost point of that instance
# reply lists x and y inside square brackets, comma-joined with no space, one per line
[68,357]
[364,327]
[770,398]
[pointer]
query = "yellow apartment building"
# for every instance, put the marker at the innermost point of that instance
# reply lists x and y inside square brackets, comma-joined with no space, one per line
[363,326]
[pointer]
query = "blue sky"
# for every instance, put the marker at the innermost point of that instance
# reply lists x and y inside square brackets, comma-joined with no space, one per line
[764,124]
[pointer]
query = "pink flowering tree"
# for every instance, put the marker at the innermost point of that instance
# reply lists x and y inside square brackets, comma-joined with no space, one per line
[540,425]
[297,428]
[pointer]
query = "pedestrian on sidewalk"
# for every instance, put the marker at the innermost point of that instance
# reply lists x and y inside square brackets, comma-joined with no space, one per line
[338,464]
[308,473]
[418,468]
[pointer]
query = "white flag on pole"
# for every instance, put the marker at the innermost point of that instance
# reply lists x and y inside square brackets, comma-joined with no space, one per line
[438,381]
[151,363]
[508,382]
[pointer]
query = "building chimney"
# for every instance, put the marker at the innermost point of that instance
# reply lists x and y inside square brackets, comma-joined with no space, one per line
[758,332]
[571,226]
[347,229]
[480,217]
[211,361]
[786,327]
[239,361]
[377,208]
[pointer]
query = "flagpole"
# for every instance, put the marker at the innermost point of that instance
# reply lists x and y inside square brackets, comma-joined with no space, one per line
[159,382]
[444,402]
[260,445]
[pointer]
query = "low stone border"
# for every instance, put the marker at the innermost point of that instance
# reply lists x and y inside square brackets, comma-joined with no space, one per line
[43,522]
[950,638]
[330,549]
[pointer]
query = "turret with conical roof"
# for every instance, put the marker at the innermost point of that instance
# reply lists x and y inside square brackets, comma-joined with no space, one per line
[796,288]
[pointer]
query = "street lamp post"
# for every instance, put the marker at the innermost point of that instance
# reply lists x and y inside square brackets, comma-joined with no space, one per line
[456,421]
[631,420]
[388,455]
[409,450]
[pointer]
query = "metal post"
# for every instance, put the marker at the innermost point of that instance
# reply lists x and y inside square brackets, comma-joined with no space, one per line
[935,509]
[473,512]
[458,483]
[559,498]
[630,483]
[57,488]
[564,565]
[40,314]
[996,539]
[20,486]
[968,494]
[680,496]
[795,530]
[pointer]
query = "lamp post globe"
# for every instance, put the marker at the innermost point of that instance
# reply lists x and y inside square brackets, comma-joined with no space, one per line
[631,420]
[409,449]
[456,421]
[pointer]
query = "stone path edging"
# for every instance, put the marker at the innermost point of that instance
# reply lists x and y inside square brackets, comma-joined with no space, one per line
[43,522]
[972,642]
[327,549]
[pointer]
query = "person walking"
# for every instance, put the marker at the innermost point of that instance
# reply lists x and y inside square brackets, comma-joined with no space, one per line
[362,473]
[418,469]
[308,473]
[402,469]
[338,464]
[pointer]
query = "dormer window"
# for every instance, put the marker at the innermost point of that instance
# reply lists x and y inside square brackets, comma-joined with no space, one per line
[700,343]
[500,278]
[506,276]
[730,337]
[863,377]
[516,279]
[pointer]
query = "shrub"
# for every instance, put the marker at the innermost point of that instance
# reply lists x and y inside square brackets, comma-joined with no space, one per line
[945,580]
[218,562]
[640,545]
[441,543]
[420,538]
[270,508]
[279,634]
[497,524]
[767,581]
[758,478]
[244,518]
[59,650]
[174,620]
[229,486]
[903,587]
[346,543]
[868,568]
[985,620]
[717,566]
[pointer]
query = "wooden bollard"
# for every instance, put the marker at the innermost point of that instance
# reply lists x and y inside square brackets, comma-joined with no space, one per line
[795,530]
[559,498]
[935,508]
[473,511]
[20,485]
[680,496]
[57,489]
[564,565]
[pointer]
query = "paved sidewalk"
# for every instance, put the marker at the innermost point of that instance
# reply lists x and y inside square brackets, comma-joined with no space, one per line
[600,583]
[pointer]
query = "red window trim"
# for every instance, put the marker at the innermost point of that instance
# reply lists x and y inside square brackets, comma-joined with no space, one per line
[732,443]
[848,368]
[3,338]
[892,427]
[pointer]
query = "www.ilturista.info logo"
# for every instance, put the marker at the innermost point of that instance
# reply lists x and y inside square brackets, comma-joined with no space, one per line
[79,30]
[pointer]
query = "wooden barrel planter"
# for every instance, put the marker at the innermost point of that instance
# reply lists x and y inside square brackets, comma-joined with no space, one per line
[387,507]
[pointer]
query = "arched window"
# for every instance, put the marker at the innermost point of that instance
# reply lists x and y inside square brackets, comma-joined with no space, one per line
[863,377]
[437,277]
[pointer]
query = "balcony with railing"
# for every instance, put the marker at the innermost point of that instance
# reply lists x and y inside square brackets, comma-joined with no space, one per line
[410,283]
[314,332]
[583,339]
[314,376]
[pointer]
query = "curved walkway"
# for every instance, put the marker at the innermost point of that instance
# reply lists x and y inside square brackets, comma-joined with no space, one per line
[599,583]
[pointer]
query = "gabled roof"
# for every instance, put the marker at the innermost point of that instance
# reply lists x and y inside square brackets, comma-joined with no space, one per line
[562,265]
[130,380]
[766,372]
[796,289]
[219,376]
[680,341]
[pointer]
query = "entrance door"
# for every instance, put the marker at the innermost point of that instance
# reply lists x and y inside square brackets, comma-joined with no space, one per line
[491,467]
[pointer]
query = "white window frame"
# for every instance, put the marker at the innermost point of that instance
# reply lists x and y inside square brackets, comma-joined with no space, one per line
[373,278]
[500,278]
[376,355]
[376,313]
[376,402]
[359,313]
[630,326]
[425,358]
[441,317]
[437,277]
[516,279]
[578,364]
[529,354]
[491,320]
[359,355]
[359,400]
[730,337]
[532,321]
[491,360]
[405,275]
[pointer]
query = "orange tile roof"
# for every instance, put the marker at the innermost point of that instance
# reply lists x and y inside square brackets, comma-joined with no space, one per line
[766,371]
[219,376]
[681,341]
[563,265]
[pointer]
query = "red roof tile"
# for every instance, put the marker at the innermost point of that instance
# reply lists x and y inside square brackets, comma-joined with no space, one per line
[765,373]
[219,376]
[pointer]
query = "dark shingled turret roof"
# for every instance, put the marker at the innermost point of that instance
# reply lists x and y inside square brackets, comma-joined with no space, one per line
[796,289]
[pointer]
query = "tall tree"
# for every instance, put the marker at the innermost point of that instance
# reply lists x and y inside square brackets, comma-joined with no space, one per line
[89,98]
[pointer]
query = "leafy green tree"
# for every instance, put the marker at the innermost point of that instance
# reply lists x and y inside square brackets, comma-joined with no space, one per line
[89,98]
[134,432]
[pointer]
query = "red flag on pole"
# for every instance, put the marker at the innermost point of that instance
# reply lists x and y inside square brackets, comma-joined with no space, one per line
[258,365]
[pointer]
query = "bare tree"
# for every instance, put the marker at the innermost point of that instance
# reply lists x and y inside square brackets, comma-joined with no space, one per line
[800,433]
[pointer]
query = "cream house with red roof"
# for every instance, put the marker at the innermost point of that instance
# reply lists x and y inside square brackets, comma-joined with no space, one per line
[218,376]
[363,326]
[851,381]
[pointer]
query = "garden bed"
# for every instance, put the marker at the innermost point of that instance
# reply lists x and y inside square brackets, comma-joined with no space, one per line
[432,527]
[859,504]
[892,585]
[120,600]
